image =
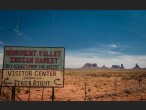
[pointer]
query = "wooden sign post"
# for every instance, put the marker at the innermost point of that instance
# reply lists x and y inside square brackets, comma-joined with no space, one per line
[53,96]
[13,93]
[33,67]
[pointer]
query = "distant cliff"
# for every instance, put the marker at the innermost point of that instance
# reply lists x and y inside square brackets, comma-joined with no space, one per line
[117,66]
[136,66]
[94,66]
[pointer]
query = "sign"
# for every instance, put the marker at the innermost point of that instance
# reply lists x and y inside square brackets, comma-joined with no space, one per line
[33,66]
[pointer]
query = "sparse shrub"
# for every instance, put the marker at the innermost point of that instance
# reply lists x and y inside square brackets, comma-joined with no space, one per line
[97,86]
[140,89]
[6,95]
[89,90]
[18,89]
[27,91]
[126,95]
[141,98]
[52,96]
[109,95]
[72,90]
[89,98]
[82,88]
[113,94]
[105,75]
[99,96]
[127,91]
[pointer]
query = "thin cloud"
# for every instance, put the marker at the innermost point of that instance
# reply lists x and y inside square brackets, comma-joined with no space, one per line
[25,36]
[93,52]
[21,34]
[2,42]
[113,46]
[108,46]
[16,31]
[114,52]
[1,50]
[128,61]
[76,59]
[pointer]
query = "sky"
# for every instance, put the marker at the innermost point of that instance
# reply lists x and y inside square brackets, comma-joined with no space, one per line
[105,37]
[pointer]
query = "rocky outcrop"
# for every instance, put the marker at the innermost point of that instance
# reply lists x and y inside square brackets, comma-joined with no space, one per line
[117,66]
[93,66]
[89,65]
[136,66]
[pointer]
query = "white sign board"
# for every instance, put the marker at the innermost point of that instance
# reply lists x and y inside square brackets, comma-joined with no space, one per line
[33,67]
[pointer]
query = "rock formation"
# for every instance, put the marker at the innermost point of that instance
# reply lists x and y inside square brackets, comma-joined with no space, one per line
[89,65]
[122,66]
[136,66]
[117,66]
[94,65]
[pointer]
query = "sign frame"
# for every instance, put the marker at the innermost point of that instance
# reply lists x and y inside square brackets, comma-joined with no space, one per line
[63,67]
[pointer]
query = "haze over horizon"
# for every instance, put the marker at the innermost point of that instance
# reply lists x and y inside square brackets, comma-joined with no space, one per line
[105,37]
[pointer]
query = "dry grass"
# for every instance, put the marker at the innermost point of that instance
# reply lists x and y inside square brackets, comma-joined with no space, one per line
[98,71]
[100,86]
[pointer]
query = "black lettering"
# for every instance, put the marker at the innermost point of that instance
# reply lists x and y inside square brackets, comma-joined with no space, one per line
[9,73]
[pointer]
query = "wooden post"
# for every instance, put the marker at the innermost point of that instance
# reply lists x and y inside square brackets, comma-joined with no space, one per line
[115,85]
[139,80]
[53,94]
[13,93]
[1,90]
[42,94]
[85,90]
[29,94]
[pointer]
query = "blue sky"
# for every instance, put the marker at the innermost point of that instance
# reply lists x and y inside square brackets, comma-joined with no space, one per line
[104,37]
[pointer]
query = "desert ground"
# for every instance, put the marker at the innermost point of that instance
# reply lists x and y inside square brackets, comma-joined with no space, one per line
[89,85]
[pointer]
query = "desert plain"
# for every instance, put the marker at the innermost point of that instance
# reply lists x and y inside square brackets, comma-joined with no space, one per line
[88,85]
